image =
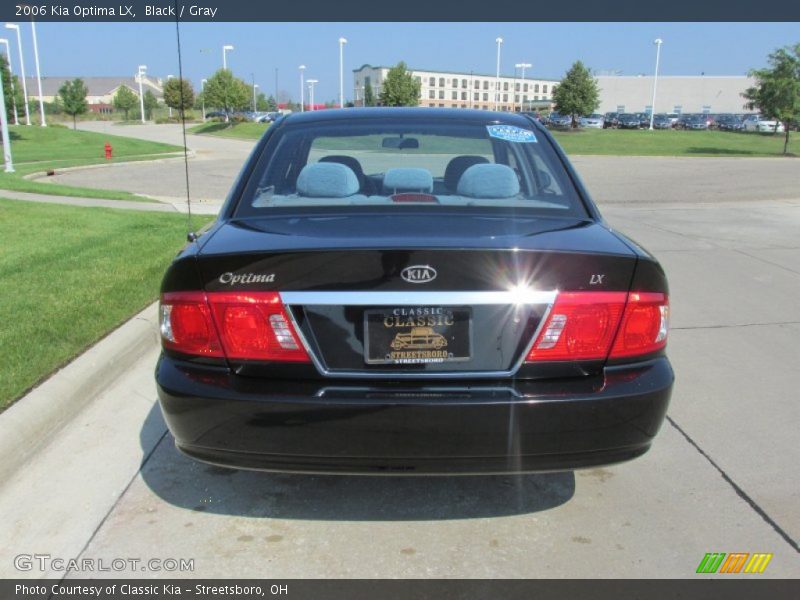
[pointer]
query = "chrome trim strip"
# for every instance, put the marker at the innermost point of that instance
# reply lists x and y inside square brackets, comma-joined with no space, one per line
[418,298]
[296,298]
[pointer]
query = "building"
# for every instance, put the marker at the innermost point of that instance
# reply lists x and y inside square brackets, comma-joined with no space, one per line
[452,89]
[675,94]
[101,90]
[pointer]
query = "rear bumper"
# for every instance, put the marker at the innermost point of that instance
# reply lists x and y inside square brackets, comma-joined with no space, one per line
[424,427]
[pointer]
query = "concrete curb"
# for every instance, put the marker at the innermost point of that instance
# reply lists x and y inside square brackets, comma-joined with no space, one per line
[29,424]
[167,157]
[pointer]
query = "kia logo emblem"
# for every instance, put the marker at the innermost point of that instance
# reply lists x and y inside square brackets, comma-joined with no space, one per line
[418,274]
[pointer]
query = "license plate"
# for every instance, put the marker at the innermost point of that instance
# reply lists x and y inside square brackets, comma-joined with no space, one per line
[417,335]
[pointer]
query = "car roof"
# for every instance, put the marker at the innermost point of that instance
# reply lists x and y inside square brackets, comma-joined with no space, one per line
[460,114]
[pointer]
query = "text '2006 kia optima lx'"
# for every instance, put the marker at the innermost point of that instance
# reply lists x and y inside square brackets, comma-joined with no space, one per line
[407,290]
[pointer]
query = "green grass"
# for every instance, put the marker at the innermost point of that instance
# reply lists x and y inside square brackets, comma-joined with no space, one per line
[619,142]
[52,148]
[642,142]
[70,275]
[239,131]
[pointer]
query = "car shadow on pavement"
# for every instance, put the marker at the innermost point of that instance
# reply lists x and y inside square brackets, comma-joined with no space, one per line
[188,484]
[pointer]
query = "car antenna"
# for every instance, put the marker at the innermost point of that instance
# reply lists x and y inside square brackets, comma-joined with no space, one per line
[191,235]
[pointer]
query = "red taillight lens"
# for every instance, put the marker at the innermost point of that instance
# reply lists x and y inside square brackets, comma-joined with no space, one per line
[597,325]
[186,325]
[251,325]
[644,327]
[581,326]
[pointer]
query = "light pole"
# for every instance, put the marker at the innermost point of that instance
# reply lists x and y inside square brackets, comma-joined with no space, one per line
[302,89]
[38,74]
[657,42]
[203,83]
[11,74]
[225,49]
[311,83]
[5,138]
[497,75]
[342,42]
[255,87]
[140,75]
[170,108]
[22,71]
[522,66]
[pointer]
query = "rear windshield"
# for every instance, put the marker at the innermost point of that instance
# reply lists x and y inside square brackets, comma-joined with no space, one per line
[391,162]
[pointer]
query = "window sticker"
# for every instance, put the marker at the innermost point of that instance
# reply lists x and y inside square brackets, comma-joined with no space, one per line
[511,133]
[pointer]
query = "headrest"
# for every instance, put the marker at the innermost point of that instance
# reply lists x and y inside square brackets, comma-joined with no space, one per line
[347,161]
[456,167]
[407,180]
[489,181]
[327,180]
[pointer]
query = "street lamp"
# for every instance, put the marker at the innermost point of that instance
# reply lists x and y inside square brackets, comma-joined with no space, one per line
[11,74]
[311,83]
[140,75]
[38,74]
[5,137]
[22,71]
[342,42]
[225,49]
[657,42]
[522,66]
[302,89]
[203,83]
[255,87]
[170,108]
[497,75]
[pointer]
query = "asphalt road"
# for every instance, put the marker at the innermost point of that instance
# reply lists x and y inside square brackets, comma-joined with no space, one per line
[721,477]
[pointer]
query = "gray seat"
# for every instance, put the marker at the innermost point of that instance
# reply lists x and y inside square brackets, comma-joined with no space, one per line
[489,181]
[364,182]
[407,179]
[327,180]
[456,167]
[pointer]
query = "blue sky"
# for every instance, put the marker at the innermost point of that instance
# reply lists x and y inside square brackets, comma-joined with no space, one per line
[108,49]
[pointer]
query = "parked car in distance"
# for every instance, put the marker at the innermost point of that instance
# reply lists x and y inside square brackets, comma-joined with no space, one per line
[673,117]
[728,122]
[610,120]
[662,122]
[763,125]
[559,121]
[644,120]
[473,313]
[593,121]
[629,121]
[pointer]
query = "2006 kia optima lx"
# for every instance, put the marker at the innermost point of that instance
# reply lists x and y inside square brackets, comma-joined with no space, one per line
[396,290]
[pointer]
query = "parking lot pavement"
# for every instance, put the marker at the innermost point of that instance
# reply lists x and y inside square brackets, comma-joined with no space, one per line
[721,477]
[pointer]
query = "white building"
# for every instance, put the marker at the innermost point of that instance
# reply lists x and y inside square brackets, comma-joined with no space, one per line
[675,94]
[100,90]
[451,89]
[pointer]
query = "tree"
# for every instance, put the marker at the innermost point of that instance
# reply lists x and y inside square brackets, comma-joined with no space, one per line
[369,95]
[150,104]
[400,88]
[777,90]
[73,98]
[178,94]
[577,94]
[11,91]
[226,92]
[125,100]
[265,104]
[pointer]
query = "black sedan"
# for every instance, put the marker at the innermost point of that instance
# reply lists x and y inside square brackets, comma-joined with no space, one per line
[629,121]
[404,291]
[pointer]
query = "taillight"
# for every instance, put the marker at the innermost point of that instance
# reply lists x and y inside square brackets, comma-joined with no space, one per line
[644,326]
[244,326]
[186,325]
[599,325]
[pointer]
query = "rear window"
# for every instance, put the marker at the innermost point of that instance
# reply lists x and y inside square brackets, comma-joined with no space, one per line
[385,163]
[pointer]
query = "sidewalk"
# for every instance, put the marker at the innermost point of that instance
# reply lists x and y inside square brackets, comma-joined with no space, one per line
[162,204]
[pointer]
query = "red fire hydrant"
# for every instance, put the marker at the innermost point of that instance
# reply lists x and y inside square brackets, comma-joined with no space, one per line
[108,151]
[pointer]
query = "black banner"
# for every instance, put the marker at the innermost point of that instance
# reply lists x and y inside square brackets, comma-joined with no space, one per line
[734,588]
[406,11]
